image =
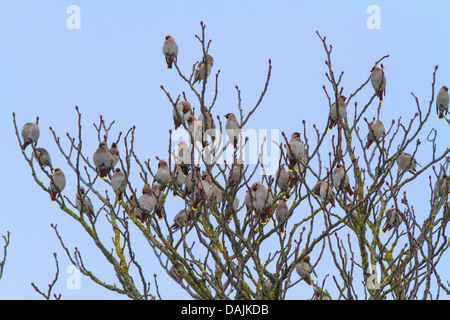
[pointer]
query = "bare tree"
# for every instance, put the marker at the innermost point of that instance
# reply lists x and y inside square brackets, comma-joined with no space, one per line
[5,252]
[215,247]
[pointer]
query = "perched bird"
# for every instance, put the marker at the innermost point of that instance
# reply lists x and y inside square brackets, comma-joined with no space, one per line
[337,114]
[325,191]
[378,80]
[208,125]
[393,219]
[228,211]
[295,150]
[102,160]
[281,214]
[282,178]
[235,175]
[340,179]
[376,132]
[178,175]
[269,283]
[114,154]
[83,203]
[196,131]
[298,170]
[145,203]
[304,269]
[320,295]
[262,201]
[130,204]
[30,134]
[191,180]
[118,183]
[406,162]
[233,128]
[217,193]
[203,190]
[181,219]
[43,157]
[170,50]
[442,100]
[203,70]
[353,218]
[162,174]
[441,187]
[159,196]
[57,184]
[181,113]
[248,201]
[446,214]
[183,156]
[175,273]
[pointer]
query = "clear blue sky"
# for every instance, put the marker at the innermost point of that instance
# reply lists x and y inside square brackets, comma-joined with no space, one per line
[114,66]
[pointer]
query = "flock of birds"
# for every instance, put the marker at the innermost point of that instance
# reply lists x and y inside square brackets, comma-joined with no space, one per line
[199,187]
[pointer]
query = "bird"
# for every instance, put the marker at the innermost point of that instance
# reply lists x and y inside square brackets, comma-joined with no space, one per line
[183,156]
[262,201]
[130,204]
[325,191]
[340,179]
[202,71]
[217,193]
[295,150]
[208,125]
[176,272]
[446,214]
[304,269]
[282,178]
[179,176]
[196,131]
[441,186]
[84,203]
[442,100]
[320,295]
[162,174]
[406,162]
[118,183]
[191,180]
[393,219]
[353,218]
[145,203]
[232,128]
[378,80]
[102,160]
[43,158]
[298,170]
[181,219]
[376,132]
[114,154]
[57,184]
[228,211]
[281,214]
[203,190]
[248,201]
[339,113]
[170,50]
[235,175]
[159,196]
[30,134]
[269,283]
[181,113]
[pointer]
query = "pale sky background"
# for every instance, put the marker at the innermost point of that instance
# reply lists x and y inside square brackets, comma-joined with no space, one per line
[114,66]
